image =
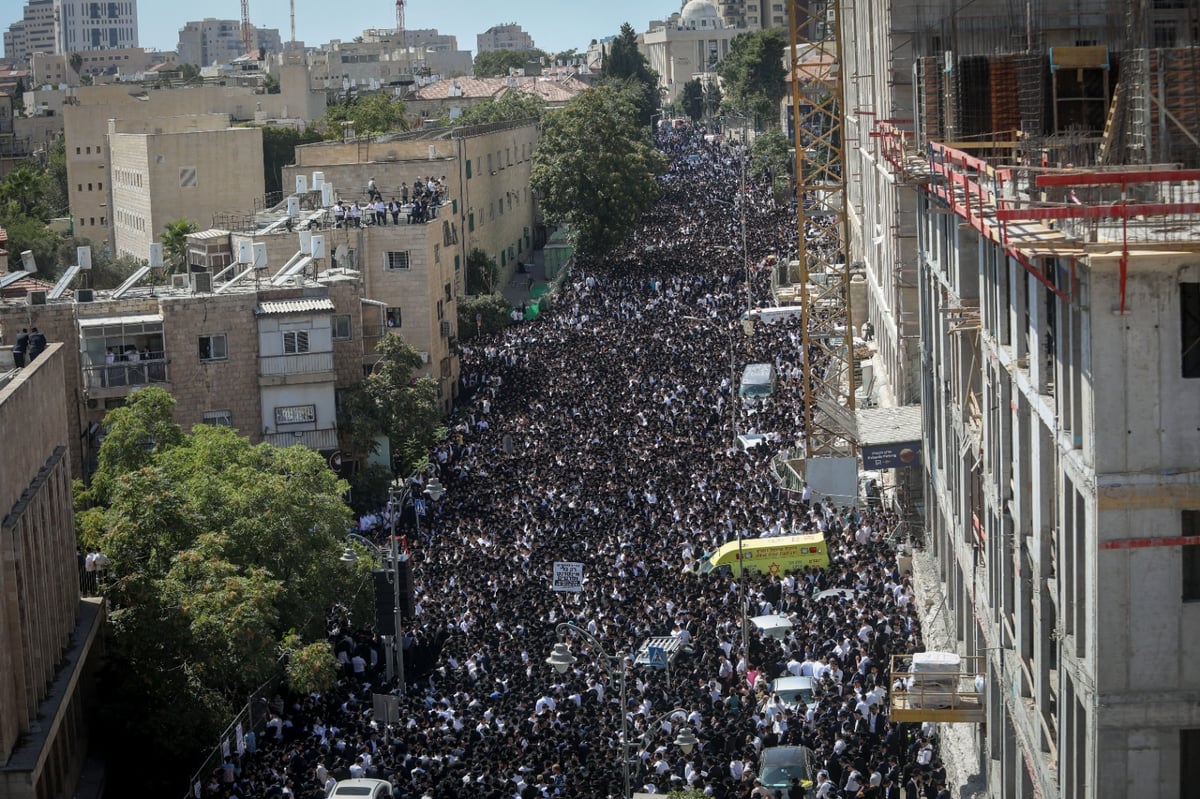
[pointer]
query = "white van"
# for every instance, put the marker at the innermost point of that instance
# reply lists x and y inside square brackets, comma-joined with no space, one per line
[782,313]
[758,380]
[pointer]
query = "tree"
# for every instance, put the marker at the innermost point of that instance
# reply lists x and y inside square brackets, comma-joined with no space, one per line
[395,403]
[754,73]
[220,552]
[625,63]
[692,99]
[771,153]
[497,63]
[76,62]
[25,187]
[595,167]
[509,107]
[189,72]
[174,242]
[483,274]
[279,150]
[372,114]
[490,309]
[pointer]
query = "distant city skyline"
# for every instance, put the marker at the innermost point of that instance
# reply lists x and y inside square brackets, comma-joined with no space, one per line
[554,25]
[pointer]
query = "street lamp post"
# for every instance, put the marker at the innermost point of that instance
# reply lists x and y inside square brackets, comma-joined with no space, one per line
[393,557]
[561,659]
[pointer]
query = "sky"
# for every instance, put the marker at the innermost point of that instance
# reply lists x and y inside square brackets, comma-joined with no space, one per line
[555,25]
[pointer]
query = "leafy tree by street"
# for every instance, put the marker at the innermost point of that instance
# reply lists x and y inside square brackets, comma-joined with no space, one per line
[510,106]
[754,73]
[220,552]
[692,99]
[394,402]
[174,242]
[372,114]
[497,63]
[771,152]
[595,167]
[23,190]
[31,233]
[483,274]
[493,310]
[625,64]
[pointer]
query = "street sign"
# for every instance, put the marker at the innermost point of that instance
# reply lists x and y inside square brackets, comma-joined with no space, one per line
[658,657]
[568,576]
[419,506]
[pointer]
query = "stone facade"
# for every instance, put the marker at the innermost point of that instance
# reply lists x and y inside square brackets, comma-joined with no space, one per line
[47,632]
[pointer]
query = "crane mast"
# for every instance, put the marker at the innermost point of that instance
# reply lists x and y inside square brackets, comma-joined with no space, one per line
[818,117]
[246,43]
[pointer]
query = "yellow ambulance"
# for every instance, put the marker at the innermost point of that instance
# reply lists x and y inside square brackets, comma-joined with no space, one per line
[776,555]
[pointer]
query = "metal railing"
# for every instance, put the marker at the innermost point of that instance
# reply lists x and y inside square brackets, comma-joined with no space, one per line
[313,439]
[121,374]
[302,363]
[253,717]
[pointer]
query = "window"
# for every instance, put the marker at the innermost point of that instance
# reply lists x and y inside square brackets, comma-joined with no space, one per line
[396,260]
[446,292]
[492,171]
[295,342]
[1190,528]
[440,309]
[341,328]
[295,414]
[1189,757]
[437,253]
[219,418]
[212,347]
[394,317]
[1189,328]
[468,169]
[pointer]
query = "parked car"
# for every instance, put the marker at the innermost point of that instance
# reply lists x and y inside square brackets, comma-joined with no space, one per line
[362,789]
[779,765]
[794,693]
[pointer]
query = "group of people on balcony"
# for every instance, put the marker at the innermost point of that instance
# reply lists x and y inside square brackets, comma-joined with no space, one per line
[126,365]
[426,195]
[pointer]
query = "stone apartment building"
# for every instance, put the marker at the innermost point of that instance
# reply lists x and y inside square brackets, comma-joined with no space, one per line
[47,633]
[510,36]
[219,41]
[191,167]
[265,359]
[86,127]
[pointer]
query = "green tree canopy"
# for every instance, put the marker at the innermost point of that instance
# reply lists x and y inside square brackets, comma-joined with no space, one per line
[372,114]
[279,150]
[497,63]
[220,552]
[509,107]
[692,99]
[394,402]
[492,311]
[483,274]
[754,73]
[771,151]
[625,64]
[594,168]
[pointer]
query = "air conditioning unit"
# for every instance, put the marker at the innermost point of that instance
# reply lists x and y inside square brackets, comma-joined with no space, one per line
[36,297]
[447,329]
[180,281]
[84,295]
[201,282]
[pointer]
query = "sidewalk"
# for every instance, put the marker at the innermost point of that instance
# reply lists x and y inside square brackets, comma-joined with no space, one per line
[517,292]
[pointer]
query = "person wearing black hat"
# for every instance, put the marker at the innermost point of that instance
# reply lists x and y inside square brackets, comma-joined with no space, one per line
[20,347]
[37,343]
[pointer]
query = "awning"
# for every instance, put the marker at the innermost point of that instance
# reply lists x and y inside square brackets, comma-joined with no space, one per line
[103,321]
[279,307]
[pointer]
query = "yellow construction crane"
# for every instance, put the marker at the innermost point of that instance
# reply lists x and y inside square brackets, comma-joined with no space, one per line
[818,115]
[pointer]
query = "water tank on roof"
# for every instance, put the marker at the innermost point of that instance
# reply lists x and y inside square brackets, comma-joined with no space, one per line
[301,184]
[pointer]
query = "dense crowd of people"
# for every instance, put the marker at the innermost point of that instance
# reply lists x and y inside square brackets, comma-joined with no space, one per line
[620,408]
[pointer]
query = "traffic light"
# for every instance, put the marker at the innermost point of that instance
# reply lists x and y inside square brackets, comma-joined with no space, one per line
[408,601]
[385,603]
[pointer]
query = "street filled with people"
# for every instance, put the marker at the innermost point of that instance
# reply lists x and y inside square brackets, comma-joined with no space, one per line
[604,434]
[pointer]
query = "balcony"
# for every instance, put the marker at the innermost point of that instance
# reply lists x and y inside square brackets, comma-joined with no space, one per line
[307,367]
[313,439]
[118,379]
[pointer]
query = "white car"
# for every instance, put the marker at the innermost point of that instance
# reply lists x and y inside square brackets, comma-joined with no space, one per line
[794,693]
[778,765]
[362,789]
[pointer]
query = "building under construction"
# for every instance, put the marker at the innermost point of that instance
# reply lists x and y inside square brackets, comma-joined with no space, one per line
[1023,197]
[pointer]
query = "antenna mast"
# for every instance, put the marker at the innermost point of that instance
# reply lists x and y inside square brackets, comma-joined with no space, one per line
[246,25]
[293,7]
[400,21]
